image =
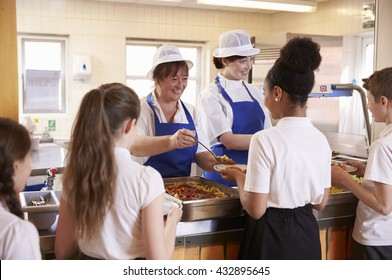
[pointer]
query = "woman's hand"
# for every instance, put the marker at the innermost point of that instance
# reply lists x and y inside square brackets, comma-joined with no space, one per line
[183,138]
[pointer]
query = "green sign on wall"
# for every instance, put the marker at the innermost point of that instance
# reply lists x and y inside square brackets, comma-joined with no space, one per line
[51,125]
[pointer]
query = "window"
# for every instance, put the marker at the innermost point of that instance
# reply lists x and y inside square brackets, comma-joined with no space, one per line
[43,75]
[367,57]
[367,61]
[139,56]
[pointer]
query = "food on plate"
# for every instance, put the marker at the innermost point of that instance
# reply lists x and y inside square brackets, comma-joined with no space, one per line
[334,189]
[341,165]
[236,167]
[335,153]
[220,167]
[345,167]
[193,191]
[225,160]
[358,179]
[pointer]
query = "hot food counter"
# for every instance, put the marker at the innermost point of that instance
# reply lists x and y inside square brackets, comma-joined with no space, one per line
[220,237]
[213,228]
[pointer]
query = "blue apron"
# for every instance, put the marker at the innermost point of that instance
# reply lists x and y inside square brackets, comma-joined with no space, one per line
[248,118]
[176,163]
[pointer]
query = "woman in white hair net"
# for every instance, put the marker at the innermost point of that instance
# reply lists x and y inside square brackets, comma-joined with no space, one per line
[232,109]
[168,127]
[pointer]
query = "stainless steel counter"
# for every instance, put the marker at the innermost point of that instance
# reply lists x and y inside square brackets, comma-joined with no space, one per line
[47,156]
[340,209]
[209,226]
[340,205]
[348,144]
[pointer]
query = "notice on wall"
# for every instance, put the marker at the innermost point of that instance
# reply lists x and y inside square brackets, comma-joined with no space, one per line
[42,87]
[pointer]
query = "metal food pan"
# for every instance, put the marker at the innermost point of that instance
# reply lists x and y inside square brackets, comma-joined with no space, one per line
[44,215]
[204,209]
[49,199]
[345,197]
[339,205]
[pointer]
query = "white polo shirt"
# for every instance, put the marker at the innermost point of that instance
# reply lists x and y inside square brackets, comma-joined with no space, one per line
[121,236]
[291,162]
[19,239]
[217,114]
[146,123]
[371,228]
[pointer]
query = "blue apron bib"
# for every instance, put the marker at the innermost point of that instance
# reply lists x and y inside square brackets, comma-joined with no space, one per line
[176,163]
[248,118]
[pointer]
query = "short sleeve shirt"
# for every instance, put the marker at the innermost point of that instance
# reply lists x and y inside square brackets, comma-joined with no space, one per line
[19,239]
[291,162]
[371,228]
[146,125]
[121,236]
[217,114]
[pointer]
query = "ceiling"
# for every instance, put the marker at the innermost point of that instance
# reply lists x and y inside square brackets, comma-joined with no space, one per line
[192,4]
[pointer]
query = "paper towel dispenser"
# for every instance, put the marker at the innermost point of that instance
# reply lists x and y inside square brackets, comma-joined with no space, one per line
[81,67]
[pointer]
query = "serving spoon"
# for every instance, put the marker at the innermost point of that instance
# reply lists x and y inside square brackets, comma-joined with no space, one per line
[208,149]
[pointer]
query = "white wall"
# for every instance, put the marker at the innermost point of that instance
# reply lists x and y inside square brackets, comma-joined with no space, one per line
[334,17]
[101,28]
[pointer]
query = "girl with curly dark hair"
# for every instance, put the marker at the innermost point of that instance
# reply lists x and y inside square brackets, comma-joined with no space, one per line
[289,166]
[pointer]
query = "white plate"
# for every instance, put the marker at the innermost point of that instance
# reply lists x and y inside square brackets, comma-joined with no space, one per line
[348,168]
[221,167]
[169,201]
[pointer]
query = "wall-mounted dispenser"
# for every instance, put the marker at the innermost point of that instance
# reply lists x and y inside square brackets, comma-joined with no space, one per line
[81,67]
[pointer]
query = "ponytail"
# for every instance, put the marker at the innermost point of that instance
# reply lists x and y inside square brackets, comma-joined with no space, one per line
[90,174]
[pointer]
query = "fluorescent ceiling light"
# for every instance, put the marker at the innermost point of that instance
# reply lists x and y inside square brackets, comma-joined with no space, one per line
[276,5]
[176,1]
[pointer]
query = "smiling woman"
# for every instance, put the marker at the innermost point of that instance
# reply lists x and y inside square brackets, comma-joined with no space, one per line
[232,109]
[138,52]
[170,128]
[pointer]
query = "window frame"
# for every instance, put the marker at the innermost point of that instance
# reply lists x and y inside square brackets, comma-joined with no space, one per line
[62,40]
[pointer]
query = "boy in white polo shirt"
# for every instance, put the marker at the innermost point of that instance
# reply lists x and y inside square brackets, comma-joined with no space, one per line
[373,224]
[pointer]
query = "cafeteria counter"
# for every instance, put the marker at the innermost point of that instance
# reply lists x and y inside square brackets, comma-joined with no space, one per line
[220,238]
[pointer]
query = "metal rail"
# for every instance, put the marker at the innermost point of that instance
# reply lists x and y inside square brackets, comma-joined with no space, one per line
[362,94]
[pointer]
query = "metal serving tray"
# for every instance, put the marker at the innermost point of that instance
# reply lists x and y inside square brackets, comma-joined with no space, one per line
[40,207]
[204,209]
[339,205]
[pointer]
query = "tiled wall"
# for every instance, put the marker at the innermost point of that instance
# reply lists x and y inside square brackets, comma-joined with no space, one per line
[101,28]
[333,17]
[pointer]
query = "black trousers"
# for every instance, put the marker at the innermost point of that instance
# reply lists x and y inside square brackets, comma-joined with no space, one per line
[282,234]
[82,256]
[363,252]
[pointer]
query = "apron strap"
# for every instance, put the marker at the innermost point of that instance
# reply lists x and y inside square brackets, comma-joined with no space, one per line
[226,96]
